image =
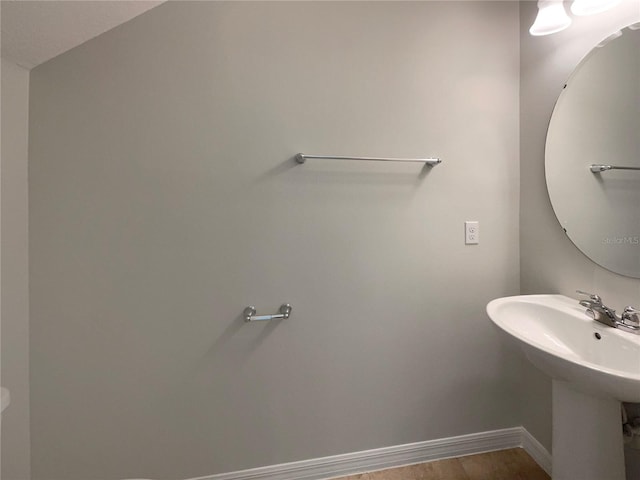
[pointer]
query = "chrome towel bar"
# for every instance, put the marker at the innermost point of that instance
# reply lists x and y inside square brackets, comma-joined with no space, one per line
[301,158]
[250,314]
[603,168]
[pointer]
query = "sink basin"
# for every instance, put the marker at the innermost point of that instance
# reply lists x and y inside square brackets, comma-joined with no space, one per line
[558,338]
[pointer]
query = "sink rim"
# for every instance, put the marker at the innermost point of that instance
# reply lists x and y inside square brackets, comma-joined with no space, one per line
[568,306]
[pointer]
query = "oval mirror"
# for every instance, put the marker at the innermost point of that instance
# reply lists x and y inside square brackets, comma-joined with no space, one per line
[592,155]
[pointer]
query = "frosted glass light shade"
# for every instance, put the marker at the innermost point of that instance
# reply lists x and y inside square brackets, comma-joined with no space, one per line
[551,18]
[589,7]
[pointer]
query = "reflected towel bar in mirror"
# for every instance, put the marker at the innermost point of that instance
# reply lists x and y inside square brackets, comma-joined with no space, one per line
[604,168]
[301,158]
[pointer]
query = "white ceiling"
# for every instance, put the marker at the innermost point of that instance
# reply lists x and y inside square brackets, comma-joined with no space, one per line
[35,31]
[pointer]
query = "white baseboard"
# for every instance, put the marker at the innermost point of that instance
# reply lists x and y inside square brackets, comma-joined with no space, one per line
[381,458]
[536,451]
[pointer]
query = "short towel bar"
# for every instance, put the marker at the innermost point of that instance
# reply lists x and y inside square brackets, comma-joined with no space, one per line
[250,314]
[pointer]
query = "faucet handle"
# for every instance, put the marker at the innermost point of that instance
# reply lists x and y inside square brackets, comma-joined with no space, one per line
[631,315]
[593,297]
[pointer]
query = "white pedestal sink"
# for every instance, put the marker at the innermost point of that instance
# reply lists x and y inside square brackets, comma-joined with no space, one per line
[594,367]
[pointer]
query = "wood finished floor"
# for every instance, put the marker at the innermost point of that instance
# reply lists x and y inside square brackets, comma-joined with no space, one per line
[512,464]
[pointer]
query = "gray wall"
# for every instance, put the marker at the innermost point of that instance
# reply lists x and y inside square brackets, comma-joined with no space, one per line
[15,284]
[163,200]
[550,263]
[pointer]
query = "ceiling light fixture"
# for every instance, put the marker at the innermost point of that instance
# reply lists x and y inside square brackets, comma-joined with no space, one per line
[551,18]
[590,7]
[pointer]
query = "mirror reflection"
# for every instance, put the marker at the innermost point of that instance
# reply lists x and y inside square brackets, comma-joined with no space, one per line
[592,157]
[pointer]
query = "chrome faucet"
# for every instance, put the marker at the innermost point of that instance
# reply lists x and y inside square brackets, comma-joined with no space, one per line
[629,321]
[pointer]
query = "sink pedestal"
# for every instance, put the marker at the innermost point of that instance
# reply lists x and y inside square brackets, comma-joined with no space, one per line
[587,436]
